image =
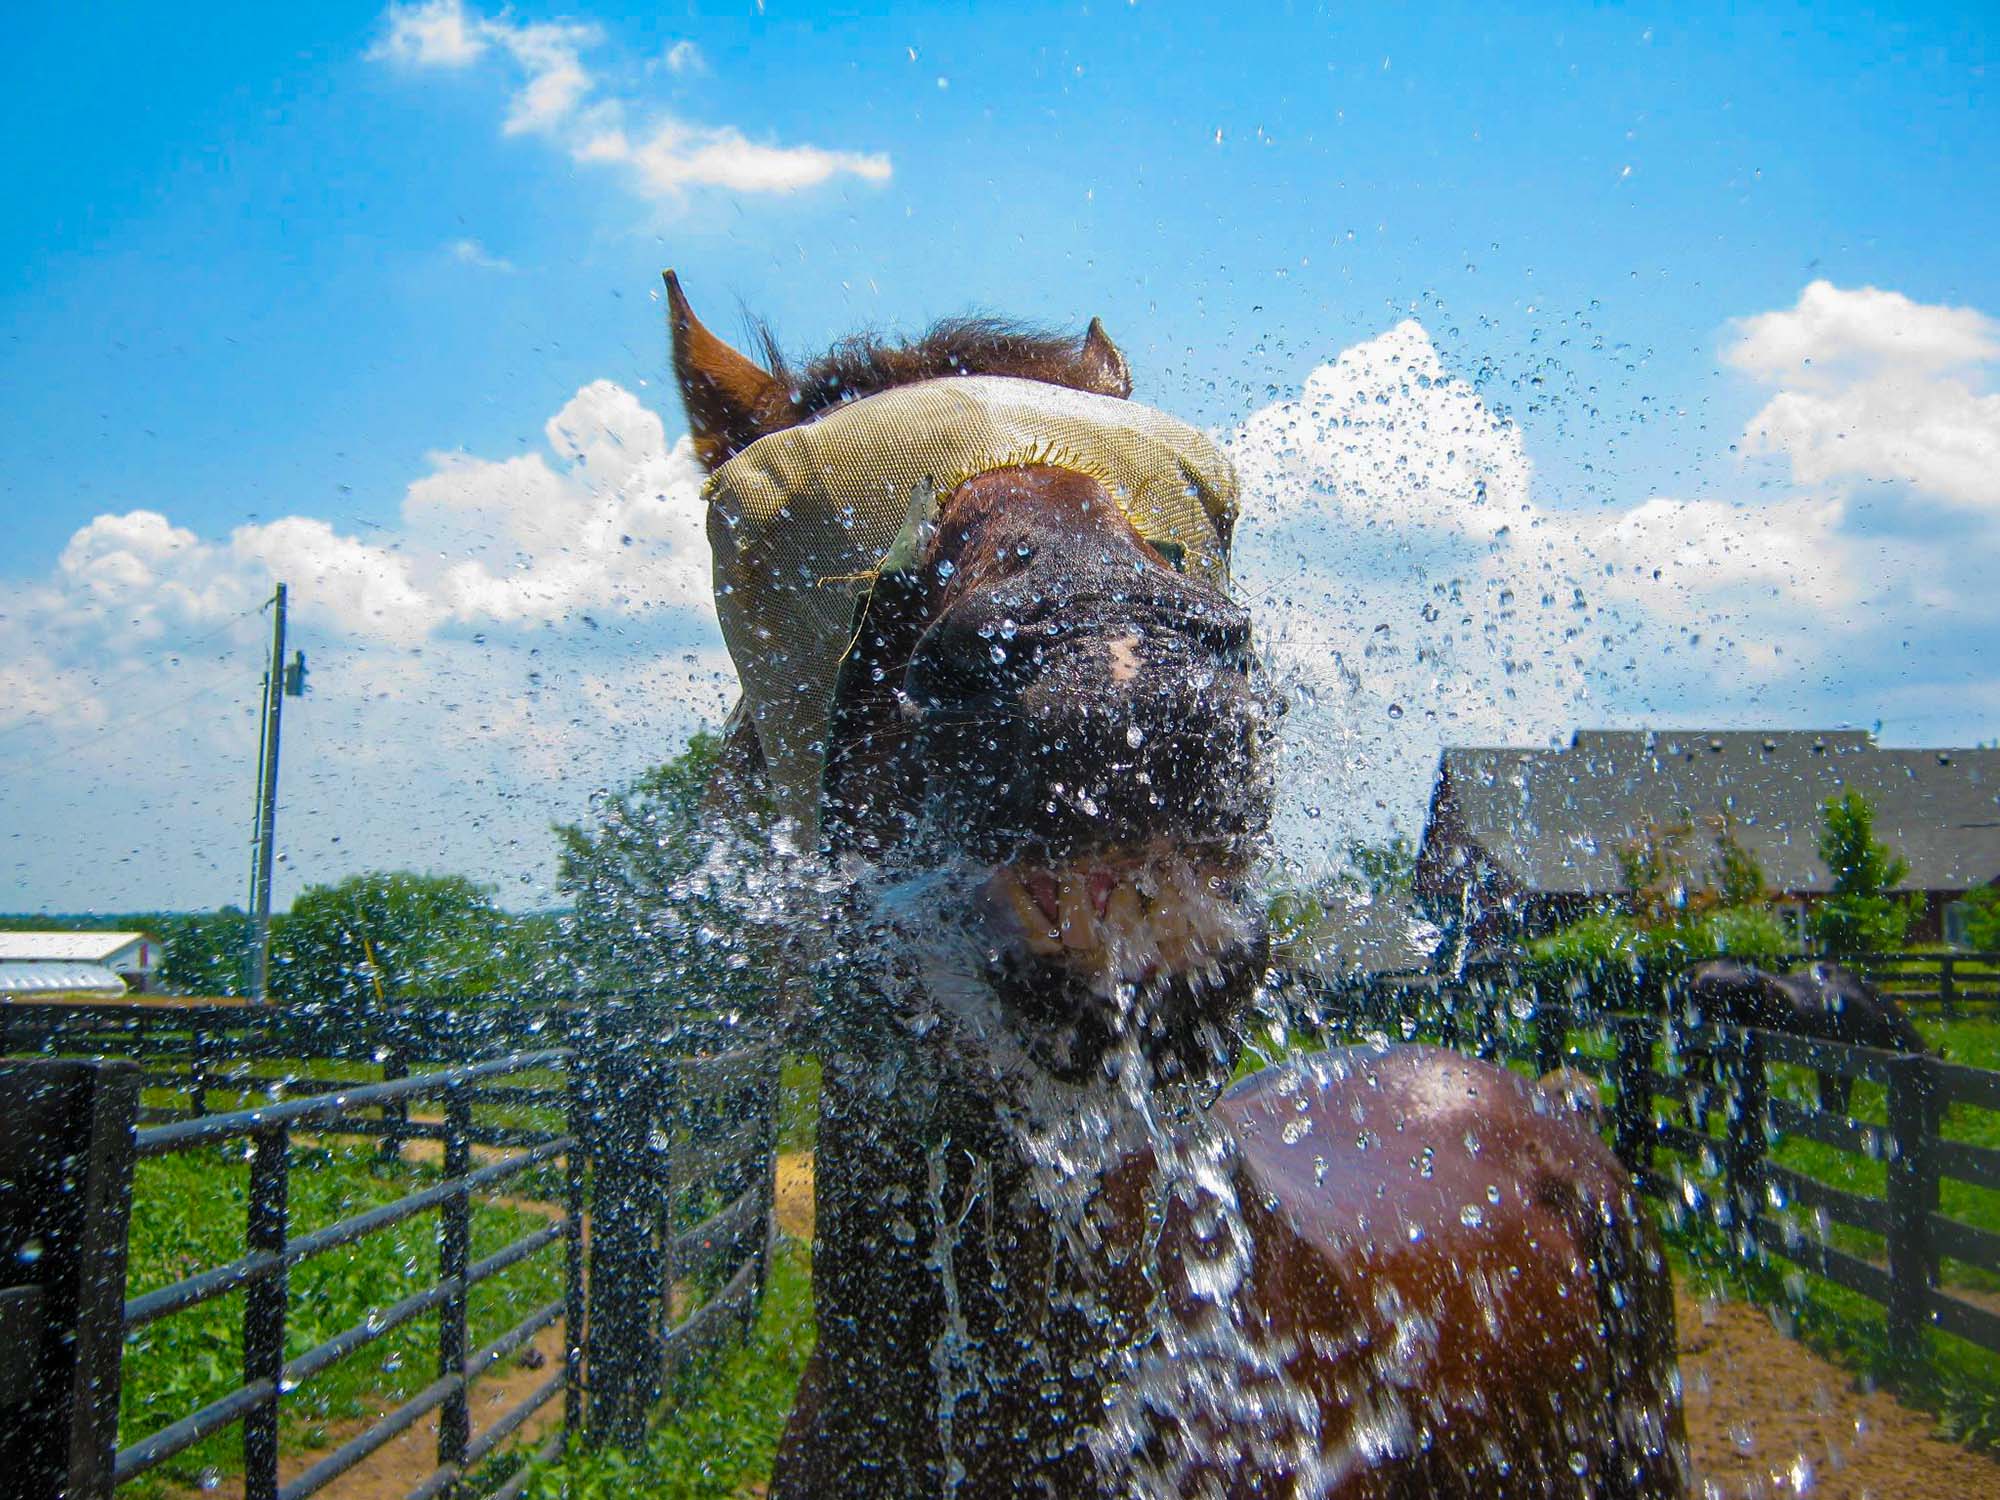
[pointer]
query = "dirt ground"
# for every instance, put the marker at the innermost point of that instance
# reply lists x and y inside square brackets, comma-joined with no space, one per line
[1767,1418]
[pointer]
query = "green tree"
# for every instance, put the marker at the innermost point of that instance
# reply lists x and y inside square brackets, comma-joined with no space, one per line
[661,876]
[1739,878]
[1673,913]
[1859,916]
[202,952]
[1386,869]
[1982,919]
[390,936]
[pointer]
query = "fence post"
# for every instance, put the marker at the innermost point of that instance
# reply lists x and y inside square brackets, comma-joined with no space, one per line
[396,1113]
[663,1081]
[578,1102]
[770,1094]
[1551,1021]
[1748,1137]
[198,1079]
[1632,1095]
[1912,1194]
[1449,996]
[264,1308]
[1948,987]
[65,1206]
[454,1260]
[623,1358]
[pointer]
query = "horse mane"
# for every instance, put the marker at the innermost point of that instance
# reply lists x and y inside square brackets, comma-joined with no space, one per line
[866,363]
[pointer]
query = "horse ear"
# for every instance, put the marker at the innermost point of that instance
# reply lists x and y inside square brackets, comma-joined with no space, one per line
[1103,365]
[730,400]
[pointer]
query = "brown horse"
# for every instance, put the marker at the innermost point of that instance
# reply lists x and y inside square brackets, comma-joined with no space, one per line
[1042,1266]
[1820,1001]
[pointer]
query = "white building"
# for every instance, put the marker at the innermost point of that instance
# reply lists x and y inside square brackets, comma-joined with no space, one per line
[133,956]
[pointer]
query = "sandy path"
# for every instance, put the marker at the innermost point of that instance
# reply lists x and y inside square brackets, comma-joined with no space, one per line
[1769,1418]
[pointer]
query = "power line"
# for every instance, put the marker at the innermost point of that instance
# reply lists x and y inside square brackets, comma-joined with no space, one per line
[143,668]
[46,761]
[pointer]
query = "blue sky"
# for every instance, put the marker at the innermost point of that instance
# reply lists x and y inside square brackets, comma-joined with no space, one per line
[274,267]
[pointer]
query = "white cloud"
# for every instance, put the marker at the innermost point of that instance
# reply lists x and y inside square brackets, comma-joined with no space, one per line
[533,628]
[536,626]
[678,157]
[1412,589]
[437,34]
[472,253]
[1831,332]
[664,157]
[1876,387]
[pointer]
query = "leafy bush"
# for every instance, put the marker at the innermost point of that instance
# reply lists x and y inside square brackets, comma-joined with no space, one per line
[390,936]
[1982,919]
[1614,937]
[659,878]
[718,1437]
[1859,916]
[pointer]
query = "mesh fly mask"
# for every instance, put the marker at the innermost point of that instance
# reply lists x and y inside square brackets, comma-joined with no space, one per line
[803,522]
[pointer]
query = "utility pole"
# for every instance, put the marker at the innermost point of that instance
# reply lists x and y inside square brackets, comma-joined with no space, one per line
[281,681]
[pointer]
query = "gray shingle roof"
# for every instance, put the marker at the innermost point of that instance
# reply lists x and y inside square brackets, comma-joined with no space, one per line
[1555,820]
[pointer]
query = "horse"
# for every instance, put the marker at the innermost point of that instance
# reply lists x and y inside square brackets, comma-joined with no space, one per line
[1820,1001]
[1017,744]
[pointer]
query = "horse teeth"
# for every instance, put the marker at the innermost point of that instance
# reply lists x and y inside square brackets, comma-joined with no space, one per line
[1037,931]
[1123,913]
[1078,922]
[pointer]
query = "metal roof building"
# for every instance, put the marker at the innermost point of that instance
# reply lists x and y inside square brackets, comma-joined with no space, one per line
[133,956]
[37,979]
[1523,838]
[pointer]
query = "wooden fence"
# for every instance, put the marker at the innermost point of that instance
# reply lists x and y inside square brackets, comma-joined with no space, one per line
[1670,1081]
[648,1125]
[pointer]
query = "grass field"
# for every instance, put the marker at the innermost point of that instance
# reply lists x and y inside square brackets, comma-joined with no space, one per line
[1959,1382]
[720,1431]
[189,1214]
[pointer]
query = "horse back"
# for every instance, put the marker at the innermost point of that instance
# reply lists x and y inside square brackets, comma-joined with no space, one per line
[1463,1274]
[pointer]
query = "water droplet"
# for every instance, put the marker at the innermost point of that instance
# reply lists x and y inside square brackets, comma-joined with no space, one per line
[1135,736]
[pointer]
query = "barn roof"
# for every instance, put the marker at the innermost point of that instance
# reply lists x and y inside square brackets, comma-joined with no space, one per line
[1554,821]
[71,947]
[48,979]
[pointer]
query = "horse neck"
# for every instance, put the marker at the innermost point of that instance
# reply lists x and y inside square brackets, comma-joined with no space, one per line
[944,1304]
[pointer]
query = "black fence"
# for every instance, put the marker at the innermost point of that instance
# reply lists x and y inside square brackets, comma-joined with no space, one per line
[648,1143]
[1698,1109]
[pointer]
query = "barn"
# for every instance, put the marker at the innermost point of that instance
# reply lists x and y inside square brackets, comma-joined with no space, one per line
[1520,841]
[133,956]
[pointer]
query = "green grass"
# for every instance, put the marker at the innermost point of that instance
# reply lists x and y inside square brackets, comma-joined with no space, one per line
[1957,1381]
[718,1432]
[189,1214]
[798,1103]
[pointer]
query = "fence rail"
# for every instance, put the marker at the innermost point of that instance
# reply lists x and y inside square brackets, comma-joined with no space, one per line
[1669,1079]
[663,1139]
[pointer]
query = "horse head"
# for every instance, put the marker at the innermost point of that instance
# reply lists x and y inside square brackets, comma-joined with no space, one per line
[979,602]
